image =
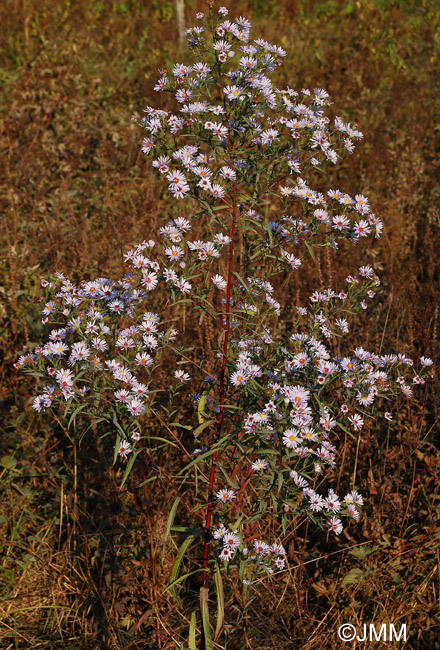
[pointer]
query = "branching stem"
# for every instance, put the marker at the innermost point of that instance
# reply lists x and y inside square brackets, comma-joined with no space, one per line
[222,381]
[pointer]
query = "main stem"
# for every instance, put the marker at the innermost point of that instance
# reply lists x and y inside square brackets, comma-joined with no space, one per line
[222,378]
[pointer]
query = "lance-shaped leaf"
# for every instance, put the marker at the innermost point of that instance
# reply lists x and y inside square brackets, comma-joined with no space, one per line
[205,618]
[192,632]
[220,602]
[202,426]
[171,517]
[176,566]
[129,466]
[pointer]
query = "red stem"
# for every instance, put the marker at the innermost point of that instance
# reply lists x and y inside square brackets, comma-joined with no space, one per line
[210,507]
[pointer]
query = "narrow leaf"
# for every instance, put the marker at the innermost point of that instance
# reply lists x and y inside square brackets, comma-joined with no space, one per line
[201,408]
[129,466]
[182,426]
[117,443]
[202,426]
[171,517]
[192,632]
[197,460]
[205,618]
[75,413]
[220,602]
[310,249]
[176,566]
[149,480]
[117,425]
[269,233]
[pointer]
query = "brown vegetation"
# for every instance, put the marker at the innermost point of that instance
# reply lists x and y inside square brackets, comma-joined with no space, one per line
[83,564]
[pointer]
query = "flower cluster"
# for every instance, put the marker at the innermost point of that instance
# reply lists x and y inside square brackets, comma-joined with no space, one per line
[259,557]
[104,340]
[287,127]
[304,395]
[283,382]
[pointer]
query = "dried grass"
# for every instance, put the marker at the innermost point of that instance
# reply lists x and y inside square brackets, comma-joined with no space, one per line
[75,192]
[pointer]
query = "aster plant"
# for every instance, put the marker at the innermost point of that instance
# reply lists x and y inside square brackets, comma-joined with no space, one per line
[278,389]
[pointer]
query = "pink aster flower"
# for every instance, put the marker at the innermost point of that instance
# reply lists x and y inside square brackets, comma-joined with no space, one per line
[280,563]
[231,540]
[124,449]
[239,378]
[356,421]
[225,495]
[135,406]
[143,359]
[259,465]
[226,553]
[335,525]
[182,376]
[174,253]
[219,282]
[261,548]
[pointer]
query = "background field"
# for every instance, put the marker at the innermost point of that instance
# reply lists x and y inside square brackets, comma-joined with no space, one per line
[82,564]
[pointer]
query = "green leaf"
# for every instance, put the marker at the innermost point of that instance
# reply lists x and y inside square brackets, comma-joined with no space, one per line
[248,312]
[256,183]
[8,462]
[176,566]
[207,207]
[182,578]
[129,466]
[10,577]
[117,443]
[353,576]
[201,408]
[182,426]
[229,480]
[205,618]
[75,413]
[257,252]
[310,249]
[164,440]
[197,460]
[347,431]
[117,425]
[171,517]
[202,426]
[280,481]
[246,288]
[220,602]
[270,235]
[241,281]
[238,522]
[149,480]
[94,423]
[192,632]
[361,552]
